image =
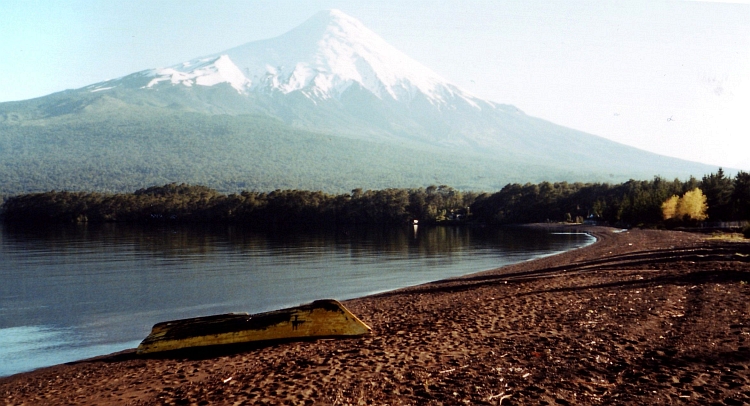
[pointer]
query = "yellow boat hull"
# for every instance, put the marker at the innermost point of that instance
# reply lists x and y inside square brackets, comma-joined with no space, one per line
[322,318]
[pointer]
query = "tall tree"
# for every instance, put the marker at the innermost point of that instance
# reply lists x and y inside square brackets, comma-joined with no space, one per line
[741,196]
[718,190]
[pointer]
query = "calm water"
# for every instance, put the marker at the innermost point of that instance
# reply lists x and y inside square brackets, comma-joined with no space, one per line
[69,293]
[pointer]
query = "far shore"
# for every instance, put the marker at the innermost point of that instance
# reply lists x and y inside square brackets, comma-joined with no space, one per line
[639,317]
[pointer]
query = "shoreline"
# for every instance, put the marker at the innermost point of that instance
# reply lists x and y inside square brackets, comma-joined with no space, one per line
[408,259]
[638,317]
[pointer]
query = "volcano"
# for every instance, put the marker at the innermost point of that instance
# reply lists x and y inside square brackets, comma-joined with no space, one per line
[327,106]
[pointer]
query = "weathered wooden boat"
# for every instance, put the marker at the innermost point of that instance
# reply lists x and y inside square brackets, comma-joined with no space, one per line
[321,318]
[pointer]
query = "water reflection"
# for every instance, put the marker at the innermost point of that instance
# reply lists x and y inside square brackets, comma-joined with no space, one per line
[71,291]
[199,243]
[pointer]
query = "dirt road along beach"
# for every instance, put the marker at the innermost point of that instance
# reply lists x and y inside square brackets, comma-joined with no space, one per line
[640,317]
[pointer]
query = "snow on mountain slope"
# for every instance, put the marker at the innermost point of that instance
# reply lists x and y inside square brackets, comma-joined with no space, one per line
[321,58]
[329,96]
[332,74]
[203,72]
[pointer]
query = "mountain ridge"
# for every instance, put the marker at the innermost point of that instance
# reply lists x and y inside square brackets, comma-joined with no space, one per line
[344,83]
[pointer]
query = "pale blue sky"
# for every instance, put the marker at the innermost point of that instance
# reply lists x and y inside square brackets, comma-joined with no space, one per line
[671,77]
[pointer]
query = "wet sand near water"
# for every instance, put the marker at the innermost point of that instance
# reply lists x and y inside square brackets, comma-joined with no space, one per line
[640,317]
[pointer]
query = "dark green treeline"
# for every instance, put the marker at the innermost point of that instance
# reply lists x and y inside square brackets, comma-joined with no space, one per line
[186,203]
[632,203]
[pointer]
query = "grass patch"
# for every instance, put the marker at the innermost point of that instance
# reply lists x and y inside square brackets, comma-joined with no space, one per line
[721,236]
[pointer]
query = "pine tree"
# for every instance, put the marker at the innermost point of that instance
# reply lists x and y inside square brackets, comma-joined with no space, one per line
[718,190]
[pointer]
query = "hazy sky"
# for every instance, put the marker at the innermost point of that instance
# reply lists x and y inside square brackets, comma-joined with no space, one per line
[672,77]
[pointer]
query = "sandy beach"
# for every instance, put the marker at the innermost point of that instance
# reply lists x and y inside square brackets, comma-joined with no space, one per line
[640,317]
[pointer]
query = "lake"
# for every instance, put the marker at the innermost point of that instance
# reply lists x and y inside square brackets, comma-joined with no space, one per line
[78,291]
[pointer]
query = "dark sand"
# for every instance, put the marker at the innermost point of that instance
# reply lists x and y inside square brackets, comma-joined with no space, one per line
[640,317]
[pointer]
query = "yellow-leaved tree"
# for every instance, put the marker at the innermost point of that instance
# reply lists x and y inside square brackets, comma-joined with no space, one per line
[691,206]
[669,208]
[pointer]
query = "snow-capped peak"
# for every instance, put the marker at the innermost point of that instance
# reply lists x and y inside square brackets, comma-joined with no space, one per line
[321,58]
[327,54]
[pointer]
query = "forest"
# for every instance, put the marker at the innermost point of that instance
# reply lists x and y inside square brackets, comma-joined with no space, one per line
[629,204]
[653,203]
[122,141]
[121,151]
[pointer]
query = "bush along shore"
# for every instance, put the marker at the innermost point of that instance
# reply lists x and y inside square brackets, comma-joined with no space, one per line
[658,202]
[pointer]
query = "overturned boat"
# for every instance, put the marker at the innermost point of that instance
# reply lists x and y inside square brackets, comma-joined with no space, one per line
[319,319]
